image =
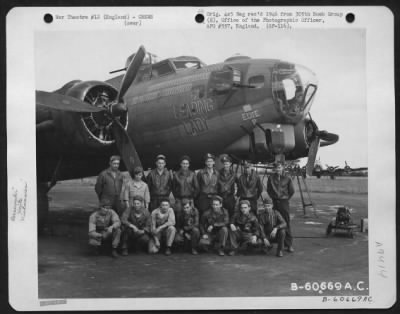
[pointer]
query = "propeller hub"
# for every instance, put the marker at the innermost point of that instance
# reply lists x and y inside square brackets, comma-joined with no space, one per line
[118,109]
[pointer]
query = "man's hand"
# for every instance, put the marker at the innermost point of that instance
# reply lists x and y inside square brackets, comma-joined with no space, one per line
[210,228]
[110,229]
[139,232]
[133,227]
[233,227]
[253,239]
[97,235]
[181,231]
[205,236]
[273,233]
[266,242]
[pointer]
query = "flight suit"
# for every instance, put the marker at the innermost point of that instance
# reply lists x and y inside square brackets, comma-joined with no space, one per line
[160,186]
[250,188]
[98,225]
[280,189]
[168,233]
[208,186]
[247,226]
[226,189]
[219,233]
[184,185]
[141,220]
[189,223]
[108,187]
[270,220]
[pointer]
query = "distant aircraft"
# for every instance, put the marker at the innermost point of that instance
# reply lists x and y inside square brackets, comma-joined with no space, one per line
[254,109]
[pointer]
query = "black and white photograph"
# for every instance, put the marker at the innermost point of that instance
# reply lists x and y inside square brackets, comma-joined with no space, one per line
[203,163]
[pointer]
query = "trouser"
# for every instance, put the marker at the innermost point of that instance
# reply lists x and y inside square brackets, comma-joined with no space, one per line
[203,202]
[178,210]
[167,234]
[253,203]
[155,201]
[137,240]
[219,235]
[116,203]
[282,206]
[238,237]
[192,235]
[100,237]
[279,238]
[229,203]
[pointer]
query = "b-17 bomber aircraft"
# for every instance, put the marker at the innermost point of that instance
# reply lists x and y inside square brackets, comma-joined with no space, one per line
[254,109]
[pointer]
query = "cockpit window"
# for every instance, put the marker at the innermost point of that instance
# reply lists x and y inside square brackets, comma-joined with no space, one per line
[181,65]
[161,69]
[257,81]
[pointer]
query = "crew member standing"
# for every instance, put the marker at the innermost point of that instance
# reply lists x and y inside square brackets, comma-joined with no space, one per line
[159,181]
[280,189]
[109,184]
[249,186]
[226,185]
[184,186]
[208,184]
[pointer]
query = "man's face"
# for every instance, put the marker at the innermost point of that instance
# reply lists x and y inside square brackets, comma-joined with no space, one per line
[137,204]
[103,210]
[268,208]
[245,209]
[114,165]
[187,208]
[185,165]
[139,176]
[160,164]
[279,169]
[216,205]
[210,163]
[247,170]
[164,206]
[227,165]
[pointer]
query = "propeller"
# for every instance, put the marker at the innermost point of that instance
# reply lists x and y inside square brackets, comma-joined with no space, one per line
[317,135]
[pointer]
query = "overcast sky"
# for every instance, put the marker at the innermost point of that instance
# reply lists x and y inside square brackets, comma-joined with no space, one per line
[336,56]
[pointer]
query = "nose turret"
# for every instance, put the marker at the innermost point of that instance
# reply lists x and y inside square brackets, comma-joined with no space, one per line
[293,88]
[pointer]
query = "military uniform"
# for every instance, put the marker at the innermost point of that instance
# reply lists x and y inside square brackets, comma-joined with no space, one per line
[108,188]
[168,232]
[189,223]
[226,189]
[269,220]
[184,185]
[247,226]
[136,188]
[250,188]
[98,228]
[219,233]
[280,189]
[141,220]
[208,187]
[160,185]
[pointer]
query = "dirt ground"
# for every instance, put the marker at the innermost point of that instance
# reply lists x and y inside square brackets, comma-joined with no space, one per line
[68,270]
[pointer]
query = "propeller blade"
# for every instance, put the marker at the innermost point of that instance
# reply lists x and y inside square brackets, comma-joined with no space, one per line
[312,155]
[62,102]
[125,146]
[131,73]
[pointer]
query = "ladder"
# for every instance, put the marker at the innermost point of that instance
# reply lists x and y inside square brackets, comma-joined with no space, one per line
[310,201]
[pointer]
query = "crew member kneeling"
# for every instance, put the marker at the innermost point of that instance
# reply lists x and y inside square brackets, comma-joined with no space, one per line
[136,225]
[213,226]
[104,224]
[273,225]
[244,228]
[162,227]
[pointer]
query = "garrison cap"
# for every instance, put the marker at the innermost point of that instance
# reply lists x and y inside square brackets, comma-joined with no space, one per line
[209,156]
[217,198]
[246,164]
[226,158]
[137,170]
[106,203]
[115,157]
[185,157]
[244,202]
[138,198]
[161,156]
[267,201]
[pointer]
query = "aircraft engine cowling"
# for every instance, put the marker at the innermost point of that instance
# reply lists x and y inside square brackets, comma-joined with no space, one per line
[90,130]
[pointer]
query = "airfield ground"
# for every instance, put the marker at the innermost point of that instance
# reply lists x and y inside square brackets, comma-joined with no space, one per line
[67,270]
